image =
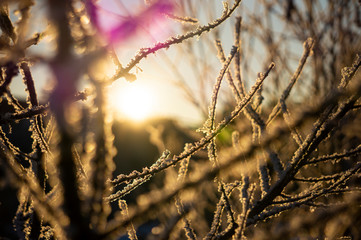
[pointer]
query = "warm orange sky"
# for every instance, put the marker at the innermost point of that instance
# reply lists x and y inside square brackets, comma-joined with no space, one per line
[154,73]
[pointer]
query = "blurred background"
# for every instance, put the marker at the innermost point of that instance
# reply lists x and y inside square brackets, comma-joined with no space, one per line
[177,82]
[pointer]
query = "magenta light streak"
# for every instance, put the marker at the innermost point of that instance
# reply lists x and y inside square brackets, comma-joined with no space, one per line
[120,29]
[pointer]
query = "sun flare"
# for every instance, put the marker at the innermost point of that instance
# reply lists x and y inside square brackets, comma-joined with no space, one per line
[134,100]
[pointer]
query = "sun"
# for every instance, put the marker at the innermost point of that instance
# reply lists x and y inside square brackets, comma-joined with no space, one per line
[133,100]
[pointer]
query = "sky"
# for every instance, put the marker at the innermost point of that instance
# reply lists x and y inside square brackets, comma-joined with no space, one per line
[166,100]
[155,91]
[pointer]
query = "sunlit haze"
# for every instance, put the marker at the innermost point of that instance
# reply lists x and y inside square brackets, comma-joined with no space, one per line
[135,101]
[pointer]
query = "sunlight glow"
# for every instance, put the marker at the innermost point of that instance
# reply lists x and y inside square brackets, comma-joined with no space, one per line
[134,100]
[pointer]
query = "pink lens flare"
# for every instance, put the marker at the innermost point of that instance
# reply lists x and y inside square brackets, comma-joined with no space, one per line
[147,22]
